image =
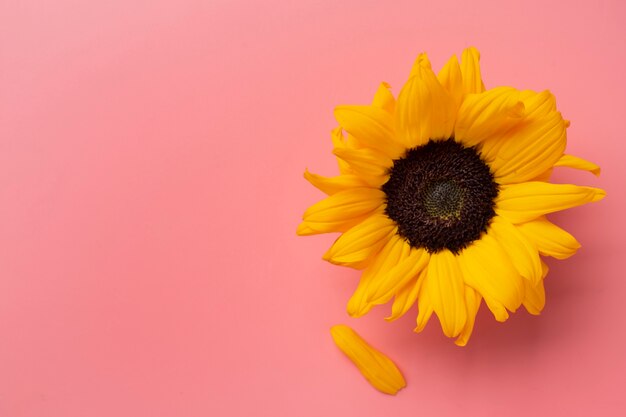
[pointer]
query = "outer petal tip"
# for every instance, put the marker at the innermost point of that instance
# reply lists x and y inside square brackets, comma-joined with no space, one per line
[575,162]
[305,230]
[461,342]
[599,194]
[470,68]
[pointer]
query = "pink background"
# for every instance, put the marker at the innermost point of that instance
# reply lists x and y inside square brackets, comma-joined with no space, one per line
[151,159]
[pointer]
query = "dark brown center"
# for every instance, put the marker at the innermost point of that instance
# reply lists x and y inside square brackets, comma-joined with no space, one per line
[441,195]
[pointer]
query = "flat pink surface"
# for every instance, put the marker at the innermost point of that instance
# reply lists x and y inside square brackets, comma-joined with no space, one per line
[151,159]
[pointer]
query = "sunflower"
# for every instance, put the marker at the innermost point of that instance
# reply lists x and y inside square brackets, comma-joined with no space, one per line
[442,196]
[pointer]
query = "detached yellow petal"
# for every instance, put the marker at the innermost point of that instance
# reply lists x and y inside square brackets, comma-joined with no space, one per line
[549,238]
[444,285]
[470,68]
[357,244]
[526,201]
[425,110]
[376,367]
[575,162]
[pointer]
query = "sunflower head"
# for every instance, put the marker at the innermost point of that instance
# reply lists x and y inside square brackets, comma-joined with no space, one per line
[442,196]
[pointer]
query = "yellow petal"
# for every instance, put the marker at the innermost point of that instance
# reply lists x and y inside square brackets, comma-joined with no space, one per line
[549,239]
[544,176]
[472,303]
[376,367]
[451,79]
[486,115]
[422,62]
[575,162]
[343,210]
[406,297]
[527,201]
[316,228]
[339,142]
[392,253]
[488,269]
[522,253]
[444,284]
[530,151]
[332,185]
[305,230]
[372,127]
[532,145]
[384,99]
[424,110]
[359,243]
[425,309]
[497,308]
[387,283]
[372,166]
[470,68]
[352,142]
[535,295]
[538,106]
